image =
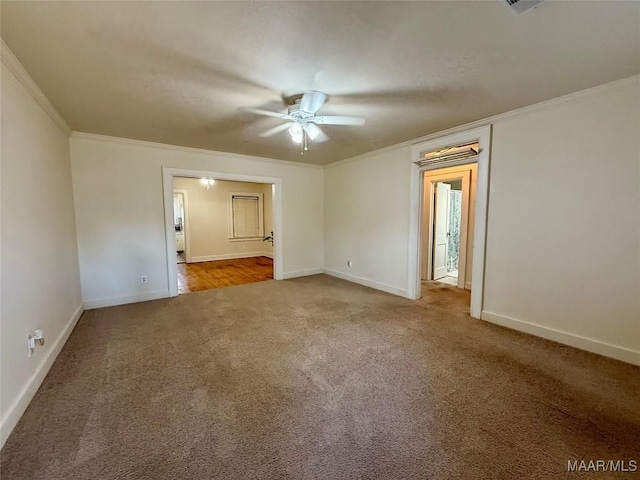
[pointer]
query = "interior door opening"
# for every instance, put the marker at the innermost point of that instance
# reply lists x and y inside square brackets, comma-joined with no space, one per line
[223,232]
[270,247]
[180,224]
[447,220]
[448,224]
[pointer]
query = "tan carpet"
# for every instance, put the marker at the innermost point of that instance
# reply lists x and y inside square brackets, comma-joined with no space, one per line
[317,378]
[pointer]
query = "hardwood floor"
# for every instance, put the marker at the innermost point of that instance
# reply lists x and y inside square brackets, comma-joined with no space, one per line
[195,277]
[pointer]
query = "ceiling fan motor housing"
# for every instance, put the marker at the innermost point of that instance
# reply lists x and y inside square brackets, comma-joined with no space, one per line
[298,115]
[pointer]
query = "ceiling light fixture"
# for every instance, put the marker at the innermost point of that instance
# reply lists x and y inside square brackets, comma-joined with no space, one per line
[301,132]
[312,131]
[296,132]
[207,182]
[303,120]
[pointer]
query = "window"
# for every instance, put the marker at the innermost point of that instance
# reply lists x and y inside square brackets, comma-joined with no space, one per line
[245,219]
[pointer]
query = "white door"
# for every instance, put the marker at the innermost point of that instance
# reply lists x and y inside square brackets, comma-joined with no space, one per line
[440,230]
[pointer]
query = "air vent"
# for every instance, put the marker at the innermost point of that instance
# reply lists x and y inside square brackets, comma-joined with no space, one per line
[521,6]
[450,156]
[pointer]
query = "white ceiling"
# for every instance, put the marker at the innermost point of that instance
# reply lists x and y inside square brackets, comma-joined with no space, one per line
[178,72]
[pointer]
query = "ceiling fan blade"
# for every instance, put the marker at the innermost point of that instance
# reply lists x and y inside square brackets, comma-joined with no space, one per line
[268,113]
[338,120]
[274,130]
[312,101]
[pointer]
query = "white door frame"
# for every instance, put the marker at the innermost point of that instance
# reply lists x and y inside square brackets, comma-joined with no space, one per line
[167,187]
[428,218]
[483,136]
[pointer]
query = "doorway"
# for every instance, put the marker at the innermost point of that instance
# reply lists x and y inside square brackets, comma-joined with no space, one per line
[229,232]
[448,224]
[231,225]
[180,225]
[419,151]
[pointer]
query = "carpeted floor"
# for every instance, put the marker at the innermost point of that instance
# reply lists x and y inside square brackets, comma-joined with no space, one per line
[317,378]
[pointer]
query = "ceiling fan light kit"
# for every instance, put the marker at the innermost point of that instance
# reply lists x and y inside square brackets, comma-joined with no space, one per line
[303,121]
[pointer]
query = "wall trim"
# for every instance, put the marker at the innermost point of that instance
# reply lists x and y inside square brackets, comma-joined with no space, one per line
[583,343]
[112,302]
[17,409]
[14,65]
[367,283]
[201,151]
[622,83]
[302,273]
[229,256]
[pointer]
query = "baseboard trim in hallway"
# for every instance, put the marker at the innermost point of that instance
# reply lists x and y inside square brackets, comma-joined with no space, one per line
[230,256]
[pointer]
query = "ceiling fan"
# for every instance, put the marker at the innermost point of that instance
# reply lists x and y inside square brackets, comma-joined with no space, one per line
[302,121]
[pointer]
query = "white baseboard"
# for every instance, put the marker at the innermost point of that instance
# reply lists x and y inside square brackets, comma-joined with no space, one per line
[595,346]
[302,273]
[15,411]
[367,283]
[467,285]
[110,302]
[229,256]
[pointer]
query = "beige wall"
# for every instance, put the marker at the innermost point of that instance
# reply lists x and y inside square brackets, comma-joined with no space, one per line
[40,282]
[562,257]
[118,194]
[366,217]
[563,233]
[208,234]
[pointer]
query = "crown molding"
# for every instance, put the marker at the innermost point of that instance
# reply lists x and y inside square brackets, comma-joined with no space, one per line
[615,85]
[200,151]
[14,65]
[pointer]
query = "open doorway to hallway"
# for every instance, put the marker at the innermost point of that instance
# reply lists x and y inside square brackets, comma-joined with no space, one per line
[448,225]
[447,222]
[469,147]
[179,200]
[224,232]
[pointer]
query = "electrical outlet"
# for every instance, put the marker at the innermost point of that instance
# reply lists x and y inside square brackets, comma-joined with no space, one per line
[37,338]
[349,263]
[143,279]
